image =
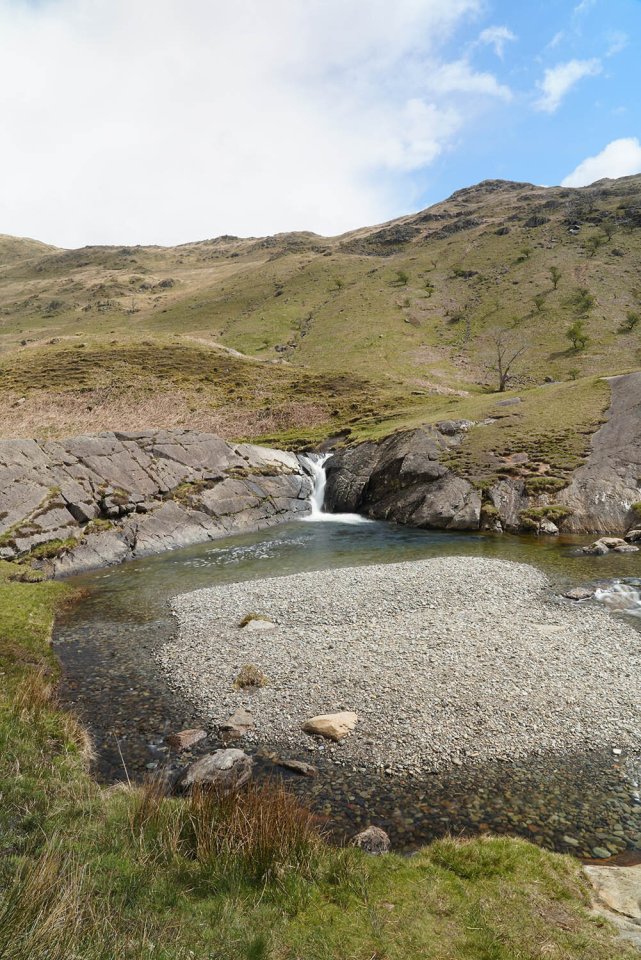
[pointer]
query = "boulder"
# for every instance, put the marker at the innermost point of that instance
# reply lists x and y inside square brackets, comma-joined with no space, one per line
[227,770]
[596,549]
[373,840]
[332,726]
[184,739]
[632,536]
[240,722]
[626,548]
[579,593]
[548,529]
[612,542]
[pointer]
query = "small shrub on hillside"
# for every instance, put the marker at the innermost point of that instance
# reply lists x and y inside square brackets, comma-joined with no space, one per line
[581,300]
[555,276]
[577,336]
[632,319]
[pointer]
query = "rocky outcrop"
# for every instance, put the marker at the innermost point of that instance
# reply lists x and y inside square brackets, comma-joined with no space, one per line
[404,479]
[89,501]
[604,488]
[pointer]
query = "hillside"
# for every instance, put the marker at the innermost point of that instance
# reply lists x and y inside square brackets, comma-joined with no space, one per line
[296,337]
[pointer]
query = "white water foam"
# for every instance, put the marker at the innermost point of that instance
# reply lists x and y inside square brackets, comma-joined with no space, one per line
[315,464]
[620,597]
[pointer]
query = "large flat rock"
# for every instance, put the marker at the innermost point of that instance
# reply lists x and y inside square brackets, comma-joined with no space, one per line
[107,497]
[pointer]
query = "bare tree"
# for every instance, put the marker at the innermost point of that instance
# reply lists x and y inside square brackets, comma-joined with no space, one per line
[506,352]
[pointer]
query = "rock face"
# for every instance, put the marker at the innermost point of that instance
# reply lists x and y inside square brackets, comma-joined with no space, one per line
[604,488]
[403,479]
[109,497]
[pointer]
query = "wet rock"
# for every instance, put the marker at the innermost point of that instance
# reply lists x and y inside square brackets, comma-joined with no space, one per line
[612,542]
[596,549]
[240,723]
[184,739]
[373,840]
[227,770]
[547,528]
[297,766]
[332,726]
[632,536]
[579,593]
[601,853]
[626,548]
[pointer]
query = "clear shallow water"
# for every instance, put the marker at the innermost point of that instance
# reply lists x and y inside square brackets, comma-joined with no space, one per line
[106,643]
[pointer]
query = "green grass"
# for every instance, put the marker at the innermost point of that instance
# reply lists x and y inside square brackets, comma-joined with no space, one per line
[368,355]
[99,874]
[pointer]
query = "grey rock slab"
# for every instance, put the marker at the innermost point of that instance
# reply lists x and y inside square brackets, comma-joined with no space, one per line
[227,770]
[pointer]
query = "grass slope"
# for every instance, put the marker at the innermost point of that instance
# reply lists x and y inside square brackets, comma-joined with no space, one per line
[379,329]
[97,874]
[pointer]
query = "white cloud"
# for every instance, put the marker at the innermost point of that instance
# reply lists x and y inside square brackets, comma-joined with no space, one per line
[497,37]
[621,158]
[558,81]
[584,6]
[459,77]
[160,121]
[617,41]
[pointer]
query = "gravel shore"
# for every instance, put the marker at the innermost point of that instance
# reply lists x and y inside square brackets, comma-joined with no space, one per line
[445,661]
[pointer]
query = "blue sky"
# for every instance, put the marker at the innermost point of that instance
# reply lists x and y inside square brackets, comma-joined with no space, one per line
[164,121]
[519,140]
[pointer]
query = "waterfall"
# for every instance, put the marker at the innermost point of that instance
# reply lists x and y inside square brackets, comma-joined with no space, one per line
[314,465]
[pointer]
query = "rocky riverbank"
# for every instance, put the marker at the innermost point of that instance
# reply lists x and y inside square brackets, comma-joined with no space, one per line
[408,478]
[444,661]
[91,501]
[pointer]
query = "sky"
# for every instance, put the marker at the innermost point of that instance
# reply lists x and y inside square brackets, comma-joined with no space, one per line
[168,121]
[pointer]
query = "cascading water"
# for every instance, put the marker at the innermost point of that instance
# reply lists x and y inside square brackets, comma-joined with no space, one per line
[621,597]
[314,464]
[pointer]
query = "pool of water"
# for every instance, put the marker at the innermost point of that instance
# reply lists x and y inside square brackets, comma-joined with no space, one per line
[107,640]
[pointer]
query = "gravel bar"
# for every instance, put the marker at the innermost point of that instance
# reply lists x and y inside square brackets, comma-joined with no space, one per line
[445,661]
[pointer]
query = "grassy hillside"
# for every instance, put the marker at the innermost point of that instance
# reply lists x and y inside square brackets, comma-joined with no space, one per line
[296,337]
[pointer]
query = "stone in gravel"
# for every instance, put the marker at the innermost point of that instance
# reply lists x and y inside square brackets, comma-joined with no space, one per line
[571,842]
[184,739]
[333,726]
[258,624]
[372,840]
[633,535]
[228,770]
[298,766]
[601,853]
[626,548]
[240,722]
[579,593]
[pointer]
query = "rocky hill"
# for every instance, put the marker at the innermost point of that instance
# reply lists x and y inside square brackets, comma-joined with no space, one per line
[296,338]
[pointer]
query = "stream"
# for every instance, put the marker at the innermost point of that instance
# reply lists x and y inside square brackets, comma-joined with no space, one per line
[106,643]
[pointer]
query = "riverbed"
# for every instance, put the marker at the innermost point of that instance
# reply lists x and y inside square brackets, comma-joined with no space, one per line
[108,642]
